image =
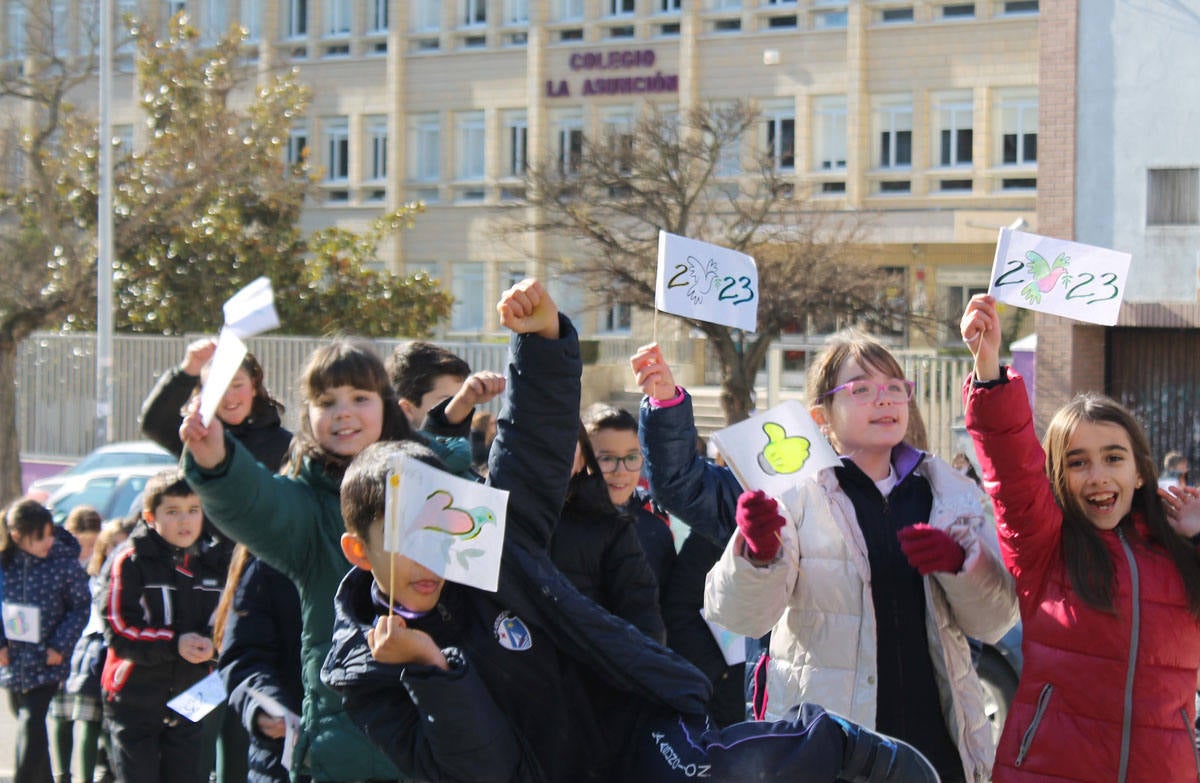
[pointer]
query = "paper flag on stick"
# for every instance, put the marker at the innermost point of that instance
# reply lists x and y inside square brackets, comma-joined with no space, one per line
[249,312]
[706,282]
[774,450]
[452,526]
[1059,277]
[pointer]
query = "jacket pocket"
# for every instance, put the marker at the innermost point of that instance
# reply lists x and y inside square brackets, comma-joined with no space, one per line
[1191,733]
[1027,738]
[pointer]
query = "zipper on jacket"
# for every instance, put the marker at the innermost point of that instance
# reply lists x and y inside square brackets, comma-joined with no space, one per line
[1191,732]
[1027,738]
[1134,633]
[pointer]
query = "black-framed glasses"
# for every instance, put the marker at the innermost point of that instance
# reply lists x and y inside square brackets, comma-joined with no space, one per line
[609,463]
[894,390]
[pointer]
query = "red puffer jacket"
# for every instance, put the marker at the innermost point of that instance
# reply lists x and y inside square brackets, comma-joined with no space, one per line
[1102,697]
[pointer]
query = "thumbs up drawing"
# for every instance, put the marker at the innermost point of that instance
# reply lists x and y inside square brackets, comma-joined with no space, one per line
[783,453]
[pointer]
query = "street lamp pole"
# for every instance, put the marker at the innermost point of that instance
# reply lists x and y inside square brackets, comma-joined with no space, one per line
[104,221]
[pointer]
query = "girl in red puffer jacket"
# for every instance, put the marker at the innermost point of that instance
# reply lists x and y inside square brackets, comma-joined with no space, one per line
[1108,583]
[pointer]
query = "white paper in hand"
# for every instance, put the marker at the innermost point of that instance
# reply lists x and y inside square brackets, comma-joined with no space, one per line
[200,699]
[224,365]
[251,311]
[775,449]
[291,722]
[706,282]
[452,526]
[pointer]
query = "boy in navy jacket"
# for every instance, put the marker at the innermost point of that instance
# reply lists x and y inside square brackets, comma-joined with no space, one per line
[535,682]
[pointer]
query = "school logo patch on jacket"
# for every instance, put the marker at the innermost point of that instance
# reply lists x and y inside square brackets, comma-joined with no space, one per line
[511,632]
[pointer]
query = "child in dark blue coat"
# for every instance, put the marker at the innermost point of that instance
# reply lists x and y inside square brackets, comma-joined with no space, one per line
[535,682]
[45,607]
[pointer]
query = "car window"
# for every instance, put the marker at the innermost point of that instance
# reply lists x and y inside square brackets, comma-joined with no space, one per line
[120,459]
[94,493]
[122,500]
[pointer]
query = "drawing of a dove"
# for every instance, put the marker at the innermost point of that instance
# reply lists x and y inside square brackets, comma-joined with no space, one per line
[703,275]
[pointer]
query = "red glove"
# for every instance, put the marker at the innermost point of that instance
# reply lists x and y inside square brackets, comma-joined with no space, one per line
[929,549]
[759,521]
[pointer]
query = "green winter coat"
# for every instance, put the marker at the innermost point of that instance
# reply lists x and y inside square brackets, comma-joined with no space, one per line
[294,524]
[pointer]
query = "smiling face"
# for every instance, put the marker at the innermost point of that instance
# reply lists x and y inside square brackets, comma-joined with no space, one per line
[618,449]
[345,419]
[1101,473]
[863,430]
[238,400]
[178,519]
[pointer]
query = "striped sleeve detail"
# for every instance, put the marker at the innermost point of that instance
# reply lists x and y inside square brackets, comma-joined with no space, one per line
[116,619]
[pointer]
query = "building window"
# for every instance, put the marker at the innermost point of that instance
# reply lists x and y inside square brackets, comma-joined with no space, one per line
[830,143]
[297,145]
[516,12]
[570,145]
[570,9]
[470,144]
[474,13]
[428,269]
[726,5]
[1173,197]
[59,21]
[377,147]
[1018,135]
[466,284]
[958,11]
[516,137]
[250,18]
[670,6]
[16,31]
[426,16]
[781,138]
[895,135]
[955,134]
[896,15]
[618,318]
[1021,7]
[618,134]
[337,150]
[123,135]
[830,20]
[337,18]
[176,7]
[426,134]
[295,20]
[377,16]
[619,7]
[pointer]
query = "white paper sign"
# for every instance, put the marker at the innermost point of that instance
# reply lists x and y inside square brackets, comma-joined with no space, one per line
[224,365]
[452,526]
[775,449]
[200,699]
[1059,277]
[22,622]
[251,311]
[706,282]
[733,646]
[291,722]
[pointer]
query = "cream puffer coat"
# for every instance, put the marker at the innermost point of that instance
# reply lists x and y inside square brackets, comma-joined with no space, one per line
[821,615]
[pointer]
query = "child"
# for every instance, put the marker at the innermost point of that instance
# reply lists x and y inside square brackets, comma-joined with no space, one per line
[438,394]
[158,598]
[613,433]
[248,411]
[1109,592]
[84,523]
[874,579]
[45,602]
[293,522]
[457,683]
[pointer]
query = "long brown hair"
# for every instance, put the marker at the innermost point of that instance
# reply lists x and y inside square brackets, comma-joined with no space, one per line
[1088,564]
[237,564]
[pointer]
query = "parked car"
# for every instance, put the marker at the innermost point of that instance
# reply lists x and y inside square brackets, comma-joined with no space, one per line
[111,491]
[999,669]
[114,455]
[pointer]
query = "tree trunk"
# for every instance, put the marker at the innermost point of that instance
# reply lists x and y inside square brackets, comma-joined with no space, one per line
[10,441]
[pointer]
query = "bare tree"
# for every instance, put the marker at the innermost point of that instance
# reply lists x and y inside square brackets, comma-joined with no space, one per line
[699,175]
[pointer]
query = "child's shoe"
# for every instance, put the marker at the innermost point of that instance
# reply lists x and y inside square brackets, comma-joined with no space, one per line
[878,758]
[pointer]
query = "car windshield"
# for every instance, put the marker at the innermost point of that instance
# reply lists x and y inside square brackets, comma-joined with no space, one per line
[95,493]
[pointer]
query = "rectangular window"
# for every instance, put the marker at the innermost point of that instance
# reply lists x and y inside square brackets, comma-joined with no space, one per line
[176,7]
[59,21]
[570,145]
[16,31]
[516,135]
[123,134]
[830,143]
[474,13]
[295,21]
[250,17]
[670,6]
[297,145]
[1173,197]
[337,150]
[1021,7]
[377,148]
[830,20]
[619,7]
[781,138]
[377,16]
[896,15]
[466,285]
[726,5]
[958,11]
[470,143]
[895,135]
[1018,140]
[426,148]
[337,18]
[428,269]
[426,16]
[955,135]
[122,40]
[516,12]
[570,9]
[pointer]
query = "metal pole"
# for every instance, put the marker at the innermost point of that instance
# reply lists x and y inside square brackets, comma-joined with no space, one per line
[104,222]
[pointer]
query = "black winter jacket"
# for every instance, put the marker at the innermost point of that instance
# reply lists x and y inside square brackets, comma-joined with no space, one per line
[154,593]
[262,432]
[658,542]
[597,548]
[510,711]
[260,653]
